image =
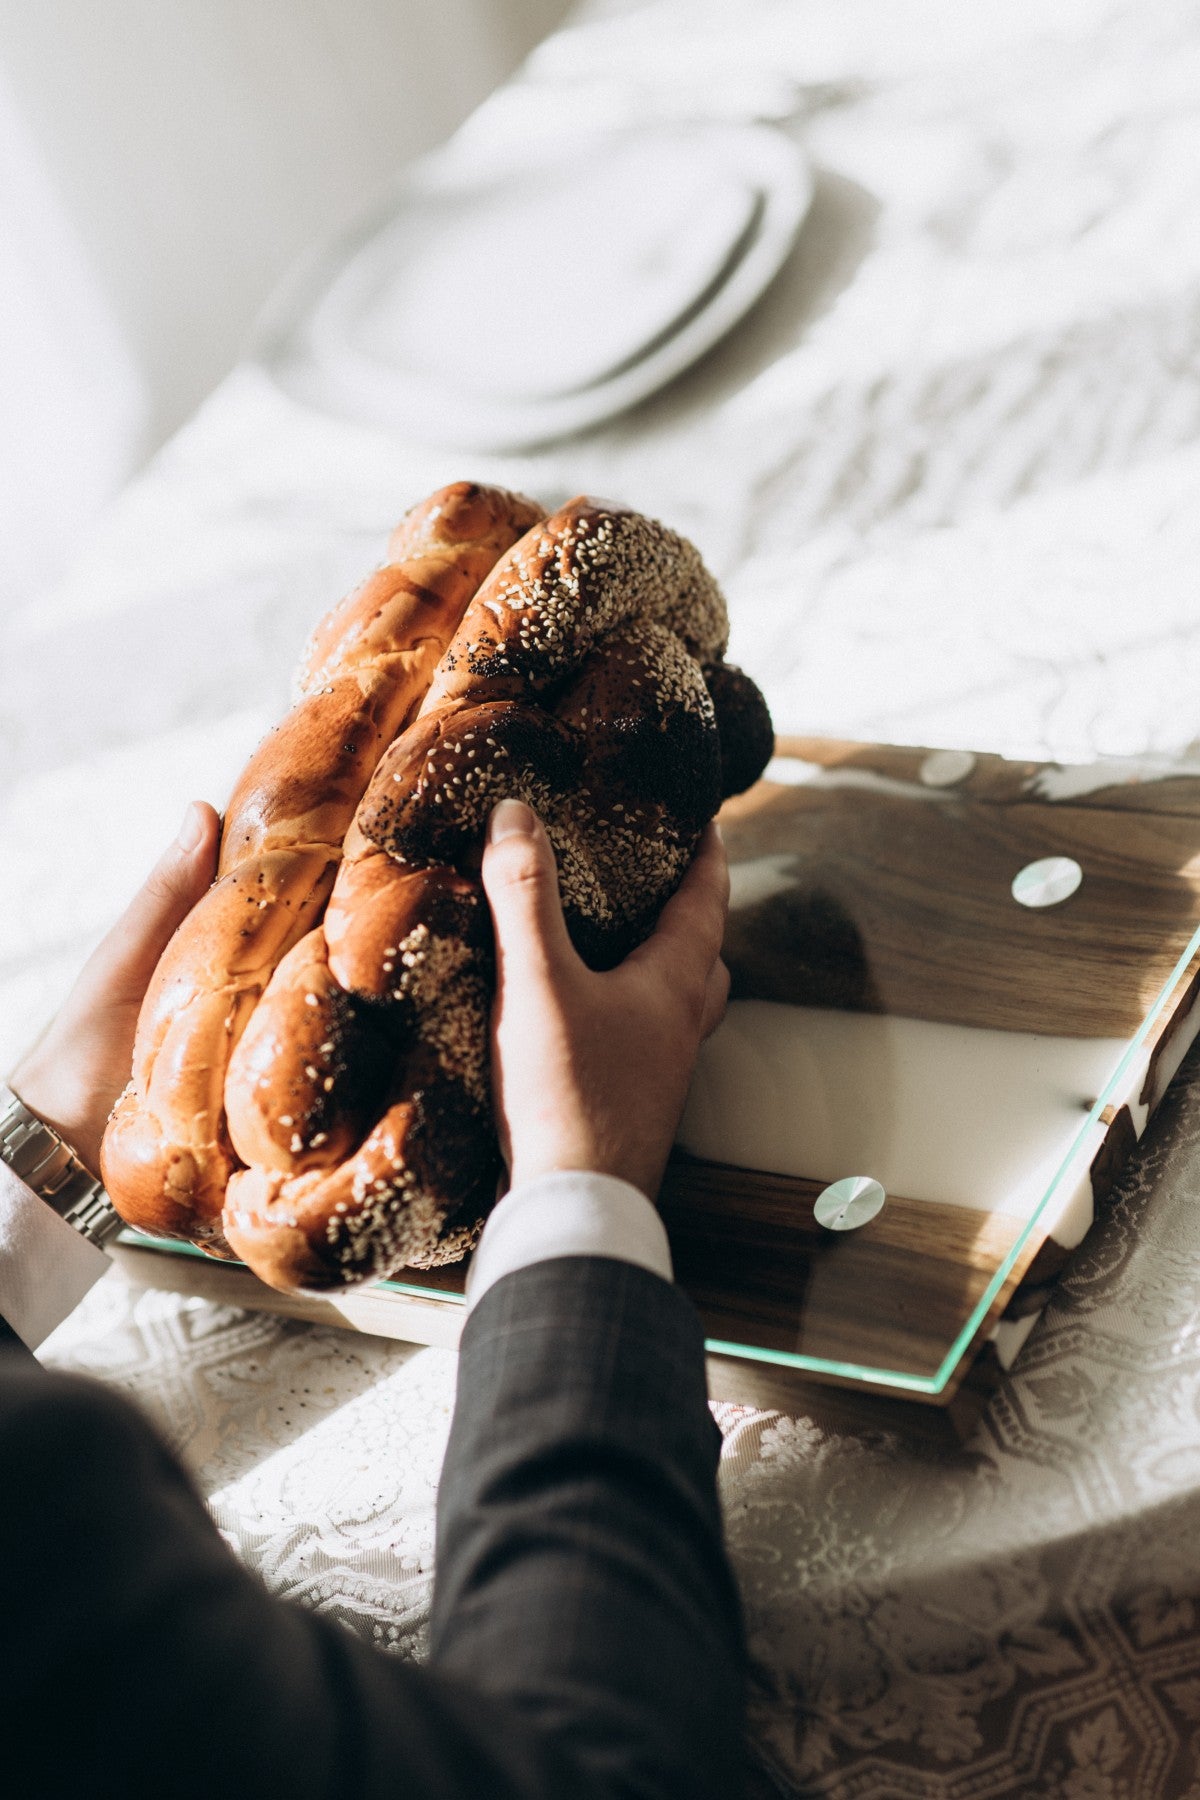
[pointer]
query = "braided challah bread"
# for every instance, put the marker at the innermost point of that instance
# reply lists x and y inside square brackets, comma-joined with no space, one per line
[166,1157]
[584,674]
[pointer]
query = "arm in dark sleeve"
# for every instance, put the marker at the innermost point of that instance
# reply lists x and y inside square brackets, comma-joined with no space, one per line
[581,1574]
[13,1352]
[138,1657]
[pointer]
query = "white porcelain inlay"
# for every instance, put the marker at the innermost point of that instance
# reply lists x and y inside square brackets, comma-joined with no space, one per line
[1047,882]
[845,1205]
[946,768]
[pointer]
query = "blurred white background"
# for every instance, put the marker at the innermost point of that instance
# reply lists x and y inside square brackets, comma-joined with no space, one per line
[161,168]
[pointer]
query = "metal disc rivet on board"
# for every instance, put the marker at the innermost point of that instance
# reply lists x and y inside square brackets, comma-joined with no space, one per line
[1047,882]
[946,768]
[846,1204]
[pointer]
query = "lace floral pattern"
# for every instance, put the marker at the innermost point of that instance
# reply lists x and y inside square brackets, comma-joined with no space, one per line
[318,1451]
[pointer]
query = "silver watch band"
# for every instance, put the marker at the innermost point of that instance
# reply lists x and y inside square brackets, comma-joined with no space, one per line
[34,1151]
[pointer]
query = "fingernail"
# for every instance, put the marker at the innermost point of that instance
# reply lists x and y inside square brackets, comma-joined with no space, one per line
[192,829]
[511,818]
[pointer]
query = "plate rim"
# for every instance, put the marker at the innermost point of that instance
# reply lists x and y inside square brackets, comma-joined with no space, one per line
[417,405]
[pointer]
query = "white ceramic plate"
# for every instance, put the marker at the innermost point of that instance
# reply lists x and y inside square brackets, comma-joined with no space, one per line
[510,310]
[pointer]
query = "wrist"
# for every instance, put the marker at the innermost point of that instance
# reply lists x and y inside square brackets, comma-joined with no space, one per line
[568,1213]
[41,1156]
[50,1098]
[639,1172]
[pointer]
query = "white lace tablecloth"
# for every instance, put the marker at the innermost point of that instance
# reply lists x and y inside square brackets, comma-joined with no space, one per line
[948,472]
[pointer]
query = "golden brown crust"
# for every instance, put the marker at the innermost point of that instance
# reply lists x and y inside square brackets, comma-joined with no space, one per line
[429,1158]
[563,588]
[574,681]
[285,1066]
[399,608]
[166,1157]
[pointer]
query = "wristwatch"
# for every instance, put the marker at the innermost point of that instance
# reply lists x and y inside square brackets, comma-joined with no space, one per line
[34,1151]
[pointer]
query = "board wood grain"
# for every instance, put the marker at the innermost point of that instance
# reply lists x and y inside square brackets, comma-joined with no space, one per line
[900,902]
[749,1252]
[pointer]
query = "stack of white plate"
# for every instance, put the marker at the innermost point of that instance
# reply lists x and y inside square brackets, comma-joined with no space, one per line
[499,311]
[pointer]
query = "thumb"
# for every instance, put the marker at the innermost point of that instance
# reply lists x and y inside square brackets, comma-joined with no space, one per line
[521,883]
[125,960]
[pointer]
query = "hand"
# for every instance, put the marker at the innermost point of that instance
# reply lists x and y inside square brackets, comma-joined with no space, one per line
[591,1070]
[73,1075]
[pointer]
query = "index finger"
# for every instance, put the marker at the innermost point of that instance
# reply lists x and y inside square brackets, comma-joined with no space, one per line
[691,928]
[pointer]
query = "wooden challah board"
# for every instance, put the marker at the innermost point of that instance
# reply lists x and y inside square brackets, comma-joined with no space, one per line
[874,920]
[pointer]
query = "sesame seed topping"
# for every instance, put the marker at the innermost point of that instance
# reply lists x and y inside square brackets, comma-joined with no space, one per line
[597,625]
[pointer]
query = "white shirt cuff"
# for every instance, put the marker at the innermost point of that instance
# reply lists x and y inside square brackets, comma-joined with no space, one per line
[568,1213]
[46,1266]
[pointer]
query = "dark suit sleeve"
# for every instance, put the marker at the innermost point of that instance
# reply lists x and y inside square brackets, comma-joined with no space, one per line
[13,1350]
[138,1657]
[581,1571]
